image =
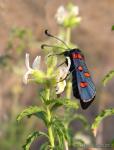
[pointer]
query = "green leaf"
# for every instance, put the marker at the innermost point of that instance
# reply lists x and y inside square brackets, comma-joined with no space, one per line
[108,77]
[45,146]
[33,110]
[100,117]
[60,131]
[112,143]
[113,27]
[31,137]
[64,102]
[43,96]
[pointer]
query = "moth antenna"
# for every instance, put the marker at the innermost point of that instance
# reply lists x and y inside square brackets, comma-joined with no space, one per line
[55,54]
[45,45]
[42,46]
[48,34]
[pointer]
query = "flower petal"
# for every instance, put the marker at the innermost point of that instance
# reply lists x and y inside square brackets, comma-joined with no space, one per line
[61,14]
[25,78]
[60,87]
[63,70]
[36,63]
[27,61]
[75,10]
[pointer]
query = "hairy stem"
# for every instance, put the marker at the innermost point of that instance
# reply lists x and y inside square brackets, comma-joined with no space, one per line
[68,38]
[68,35]
[50,132]
[69,84]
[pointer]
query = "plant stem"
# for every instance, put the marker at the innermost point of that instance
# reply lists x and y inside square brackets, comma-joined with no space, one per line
[69,84]
[68,38]
[68,35]
[50,132]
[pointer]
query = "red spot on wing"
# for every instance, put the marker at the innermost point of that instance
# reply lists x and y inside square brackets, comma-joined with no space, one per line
[86,74]
[74,55]
[83,84]
[77,56]
[80,68]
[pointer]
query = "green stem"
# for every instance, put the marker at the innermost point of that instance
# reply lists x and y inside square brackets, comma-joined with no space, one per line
[68,35]
[50,132]
[68,89]
[68,39]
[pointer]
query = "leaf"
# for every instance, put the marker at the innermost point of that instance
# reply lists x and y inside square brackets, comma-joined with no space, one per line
[45,146]
[100,117]
[60,131]
[33,110]
[64,102]
[31,137]
[43,96]
[112,143]
[113,27]
[108,77]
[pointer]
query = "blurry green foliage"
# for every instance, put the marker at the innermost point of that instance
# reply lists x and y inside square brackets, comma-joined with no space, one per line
[112,143]
[4,59]
[12,134]
[113,27]
[108,77]
[23,37]
[100,117]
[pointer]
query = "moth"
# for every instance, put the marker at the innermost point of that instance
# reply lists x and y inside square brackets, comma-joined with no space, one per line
[82,83]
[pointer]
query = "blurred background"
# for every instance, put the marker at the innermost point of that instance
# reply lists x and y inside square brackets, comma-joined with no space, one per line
[22,25]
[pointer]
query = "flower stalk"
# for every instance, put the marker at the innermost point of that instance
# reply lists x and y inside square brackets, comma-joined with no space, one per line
[68,89]
[68,38]
[50,132]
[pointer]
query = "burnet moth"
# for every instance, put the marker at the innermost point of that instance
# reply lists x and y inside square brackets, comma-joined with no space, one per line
[82,84]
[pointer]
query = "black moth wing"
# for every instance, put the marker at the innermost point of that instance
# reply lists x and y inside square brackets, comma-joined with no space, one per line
[85,94]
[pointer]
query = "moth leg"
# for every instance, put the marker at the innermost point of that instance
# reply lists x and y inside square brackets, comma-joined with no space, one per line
[67,76]
[61,64]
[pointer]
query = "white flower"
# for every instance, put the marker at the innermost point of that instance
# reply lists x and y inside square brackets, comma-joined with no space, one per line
[64,15]
[61,82]
[35,66]
[75,10]
[62,74]
[60,87]
[61,14]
